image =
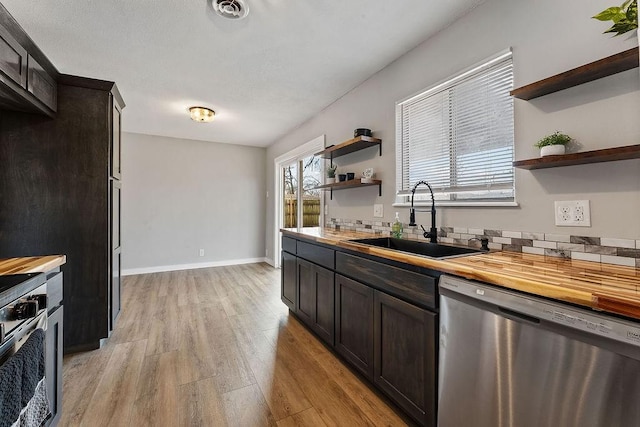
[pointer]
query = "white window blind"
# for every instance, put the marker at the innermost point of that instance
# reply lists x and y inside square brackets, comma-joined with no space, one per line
[458,136]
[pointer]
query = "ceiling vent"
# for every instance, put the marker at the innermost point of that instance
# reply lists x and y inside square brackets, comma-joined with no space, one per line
[231,9]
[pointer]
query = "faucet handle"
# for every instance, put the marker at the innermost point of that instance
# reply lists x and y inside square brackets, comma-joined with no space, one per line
[484,242]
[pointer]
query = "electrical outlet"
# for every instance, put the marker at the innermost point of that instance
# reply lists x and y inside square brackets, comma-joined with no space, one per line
[201,252]
[573,213]
[378,210]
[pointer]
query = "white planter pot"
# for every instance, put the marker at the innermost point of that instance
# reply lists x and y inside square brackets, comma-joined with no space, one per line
[552,150]
[329,180]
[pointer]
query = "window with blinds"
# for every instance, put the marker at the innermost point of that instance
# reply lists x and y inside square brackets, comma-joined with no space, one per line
[458,136]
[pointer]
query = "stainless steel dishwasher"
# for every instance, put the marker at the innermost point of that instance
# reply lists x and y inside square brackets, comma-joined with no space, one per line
[511,359]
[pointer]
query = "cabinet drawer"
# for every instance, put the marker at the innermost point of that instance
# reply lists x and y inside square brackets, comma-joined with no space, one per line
[317,254]
[289,245]
[413,287]
[54,291]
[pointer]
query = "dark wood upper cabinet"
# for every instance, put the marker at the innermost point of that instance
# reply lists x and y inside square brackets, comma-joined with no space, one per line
[13,59]
[116,150]
[41,85]
[28,81]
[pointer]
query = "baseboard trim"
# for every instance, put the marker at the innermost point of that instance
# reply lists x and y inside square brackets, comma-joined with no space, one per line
[270,261]
[177,267]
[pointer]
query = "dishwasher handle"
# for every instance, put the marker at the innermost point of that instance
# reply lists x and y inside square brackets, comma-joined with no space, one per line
[515,315]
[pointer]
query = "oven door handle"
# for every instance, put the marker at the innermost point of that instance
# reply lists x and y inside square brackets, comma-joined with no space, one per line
[20,335]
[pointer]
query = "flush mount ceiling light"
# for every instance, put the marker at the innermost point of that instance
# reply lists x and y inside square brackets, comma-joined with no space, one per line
[231,9]
[202,114]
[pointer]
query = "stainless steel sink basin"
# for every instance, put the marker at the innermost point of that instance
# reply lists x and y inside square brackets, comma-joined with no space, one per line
[431,250]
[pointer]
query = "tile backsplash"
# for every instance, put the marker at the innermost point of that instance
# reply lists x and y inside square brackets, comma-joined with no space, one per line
[597,249]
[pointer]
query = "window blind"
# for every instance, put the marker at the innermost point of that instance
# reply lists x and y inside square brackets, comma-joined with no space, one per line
[458,136]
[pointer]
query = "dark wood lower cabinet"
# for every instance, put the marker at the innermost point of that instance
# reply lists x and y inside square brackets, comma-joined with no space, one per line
[53,364]
[405,355]
[354,323]
[289,284]
[316,299]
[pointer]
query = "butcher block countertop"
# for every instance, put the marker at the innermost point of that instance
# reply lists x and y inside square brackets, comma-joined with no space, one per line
[604,287]
[31,264]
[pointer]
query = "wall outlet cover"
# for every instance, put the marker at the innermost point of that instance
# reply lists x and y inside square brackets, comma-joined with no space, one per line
[378,210]
[201,253]
[573,213]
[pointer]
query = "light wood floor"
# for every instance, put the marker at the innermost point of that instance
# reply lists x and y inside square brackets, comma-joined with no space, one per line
[214,347]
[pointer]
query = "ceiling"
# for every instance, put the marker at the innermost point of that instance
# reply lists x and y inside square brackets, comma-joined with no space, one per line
[263,75]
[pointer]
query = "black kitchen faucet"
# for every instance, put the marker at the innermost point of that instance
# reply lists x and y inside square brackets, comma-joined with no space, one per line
[432,234]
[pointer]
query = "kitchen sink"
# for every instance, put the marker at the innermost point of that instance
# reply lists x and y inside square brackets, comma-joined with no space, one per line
[431,250]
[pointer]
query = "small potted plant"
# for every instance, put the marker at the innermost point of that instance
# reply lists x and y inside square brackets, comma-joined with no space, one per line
[624,17]
[553,145]
[331,174]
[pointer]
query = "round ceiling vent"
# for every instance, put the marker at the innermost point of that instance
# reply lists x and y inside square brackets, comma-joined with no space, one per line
[231,9]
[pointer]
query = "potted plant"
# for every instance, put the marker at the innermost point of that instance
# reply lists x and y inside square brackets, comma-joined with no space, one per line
[331,174]
[624,18]
[553,145]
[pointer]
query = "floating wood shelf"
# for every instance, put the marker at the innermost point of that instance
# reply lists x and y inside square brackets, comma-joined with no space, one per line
[352,183]
[350,146]
[614,64]
[586,157]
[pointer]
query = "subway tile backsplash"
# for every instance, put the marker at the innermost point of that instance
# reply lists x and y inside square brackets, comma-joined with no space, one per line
[597,249]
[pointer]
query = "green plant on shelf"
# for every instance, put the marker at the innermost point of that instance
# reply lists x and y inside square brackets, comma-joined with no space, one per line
[331,171]
[624,17]
[556,138]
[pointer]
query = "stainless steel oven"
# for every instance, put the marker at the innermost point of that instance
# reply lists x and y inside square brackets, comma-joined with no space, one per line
[24,309]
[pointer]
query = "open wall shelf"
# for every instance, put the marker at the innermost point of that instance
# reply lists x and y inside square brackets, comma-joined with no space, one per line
[614,64]
[352,183]
[586,157]
[350,146]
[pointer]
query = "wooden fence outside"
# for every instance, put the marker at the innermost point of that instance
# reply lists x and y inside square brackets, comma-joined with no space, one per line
[310,212]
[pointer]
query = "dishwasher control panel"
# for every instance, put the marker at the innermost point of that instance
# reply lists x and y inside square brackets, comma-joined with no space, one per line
[537,308]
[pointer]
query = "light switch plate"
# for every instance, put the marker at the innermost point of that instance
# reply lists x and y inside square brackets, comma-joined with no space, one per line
[573,213]
[378,210]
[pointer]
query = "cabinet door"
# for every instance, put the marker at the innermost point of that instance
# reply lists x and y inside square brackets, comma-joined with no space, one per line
[115,276]
[325,299]
[306,292]
[116,155]
[404,355]
[288,285]
[53,364]
[13,59]
[354,323]
[41,85]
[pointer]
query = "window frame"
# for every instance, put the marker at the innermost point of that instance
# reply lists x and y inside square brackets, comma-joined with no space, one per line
[402,198]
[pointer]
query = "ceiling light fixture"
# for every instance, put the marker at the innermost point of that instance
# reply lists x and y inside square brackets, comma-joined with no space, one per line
[202,114]
[231,9]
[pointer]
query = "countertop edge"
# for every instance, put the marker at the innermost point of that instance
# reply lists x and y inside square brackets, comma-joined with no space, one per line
[32,264]
[600,301]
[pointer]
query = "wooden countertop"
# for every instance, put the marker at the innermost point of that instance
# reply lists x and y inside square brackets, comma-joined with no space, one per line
[32,264]
[604,287]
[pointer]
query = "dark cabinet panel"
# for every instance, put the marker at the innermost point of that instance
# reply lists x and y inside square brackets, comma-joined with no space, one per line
[316,299]
[289,284]
[116,189]
[306,292]
[289,245]
[354,323]
[57,199]
[115,285]
[13,59]
[316,254]
[53,364]
[405,355]
[116,150]
[42,85]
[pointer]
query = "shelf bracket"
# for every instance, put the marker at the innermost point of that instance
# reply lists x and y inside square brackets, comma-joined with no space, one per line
[380,151]
[379,190]
[331,194]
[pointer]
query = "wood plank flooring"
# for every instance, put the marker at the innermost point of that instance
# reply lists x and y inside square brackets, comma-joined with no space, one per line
[214,347]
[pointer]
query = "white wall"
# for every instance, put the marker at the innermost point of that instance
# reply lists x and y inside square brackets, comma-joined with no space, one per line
[547,37]
[179,196]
